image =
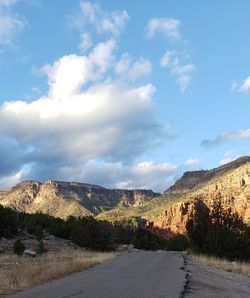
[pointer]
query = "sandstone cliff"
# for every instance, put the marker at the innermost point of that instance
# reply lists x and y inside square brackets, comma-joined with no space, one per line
[62,199]
[193,179]
[229,183]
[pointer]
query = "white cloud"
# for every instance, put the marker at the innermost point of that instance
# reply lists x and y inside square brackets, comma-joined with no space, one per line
[10,24]
[127,68]
[183,72]
[228,157]
[227,136]
[86,42]
[245,87]
[103,21]
[69,73]
[86,119]
[169,27]
[193,163]
[148,174]
[13,179]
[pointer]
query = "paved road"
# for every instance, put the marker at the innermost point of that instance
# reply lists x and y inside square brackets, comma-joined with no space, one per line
[135,275]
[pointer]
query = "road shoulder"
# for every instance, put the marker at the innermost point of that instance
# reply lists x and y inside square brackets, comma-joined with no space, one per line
[209,282]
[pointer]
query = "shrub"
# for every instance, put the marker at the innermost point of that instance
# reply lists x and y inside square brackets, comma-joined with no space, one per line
[19,247]
[218,232]
[41,249]
[178,243]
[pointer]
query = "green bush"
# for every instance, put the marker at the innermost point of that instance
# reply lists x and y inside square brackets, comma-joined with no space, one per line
[18,247]
[218,232]
[41,249]
[178,243]
[86,231]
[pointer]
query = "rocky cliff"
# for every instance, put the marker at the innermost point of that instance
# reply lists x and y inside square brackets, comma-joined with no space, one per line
[229,183]
[168,214]
[62,199]
[194,179]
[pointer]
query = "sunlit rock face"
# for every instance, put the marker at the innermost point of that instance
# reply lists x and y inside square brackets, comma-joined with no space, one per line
[229,183]
[62,199]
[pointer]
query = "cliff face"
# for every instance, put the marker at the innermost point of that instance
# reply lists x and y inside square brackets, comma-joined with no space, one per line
[62,199]
[231,184]
[194,179]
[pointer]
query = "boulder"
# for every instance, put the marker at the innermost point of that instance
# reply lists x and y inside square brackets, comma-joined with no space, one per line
[125,247]
[29,253]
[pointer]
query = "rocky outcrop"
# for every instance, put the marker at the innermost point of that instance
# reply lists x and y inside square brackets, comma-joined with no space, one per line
[230,184]
[62,199]
[194,179]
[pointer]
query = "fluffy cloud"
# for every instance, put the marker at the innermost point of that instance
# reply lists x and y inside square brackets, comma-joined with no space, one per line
[227,136]
[183,72]
[10,23]
[169,27]
[88,127]
[103,21]
[193,163]
[127,68]
[228,157]
[147,174]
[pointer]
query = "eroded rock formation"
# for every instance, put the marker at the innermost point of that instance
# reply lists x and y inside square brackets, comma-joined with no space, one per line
[62,199]
[229,183]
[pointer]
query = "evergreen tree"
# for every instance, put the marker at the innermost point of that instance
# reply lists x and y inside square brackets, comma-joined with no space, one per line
[41,249]
[218,231]
[19,247]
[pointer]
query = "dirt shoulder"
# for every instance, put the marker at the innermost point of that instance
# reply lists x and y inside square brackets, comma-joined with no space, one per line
[209,282]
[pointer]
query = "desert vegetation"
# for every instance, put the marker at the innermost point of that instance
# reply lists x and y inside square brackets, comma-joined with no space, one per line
[218,232]
[17,273]
[87,232]
[224,264]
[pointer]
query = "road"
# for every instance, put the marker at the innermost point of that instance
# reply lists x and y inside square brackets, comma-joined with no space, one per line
[136,275]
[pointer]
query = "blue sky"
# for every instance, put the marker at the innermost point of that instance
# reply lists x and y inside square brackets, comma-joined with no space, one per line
[122,93]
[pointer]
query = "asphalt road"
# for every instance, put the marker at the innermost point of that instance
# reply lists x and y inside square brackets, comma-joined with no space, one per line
[136,275]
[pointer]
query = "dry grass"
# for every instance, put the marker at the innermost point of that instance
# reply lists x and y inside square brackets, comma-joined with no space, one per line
[19,273]
[235,267]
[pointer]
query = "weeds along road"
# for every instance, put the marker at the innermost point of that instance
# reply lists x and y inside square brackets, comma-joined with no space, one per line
[136,275]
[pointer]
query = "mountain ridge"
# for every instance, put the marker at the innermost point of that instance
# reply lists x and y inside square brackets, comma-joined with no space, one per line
[193,179]
[62,199]
[169,212]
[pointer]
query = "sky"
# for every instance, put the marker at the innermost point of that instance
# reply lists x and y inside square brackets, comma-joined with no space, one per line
[123,94]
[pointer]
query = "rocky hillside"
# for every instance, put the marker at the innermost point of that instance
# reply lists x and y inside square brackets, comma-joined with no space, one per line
[62,199]
[194,179]
[169,212]
[230,184]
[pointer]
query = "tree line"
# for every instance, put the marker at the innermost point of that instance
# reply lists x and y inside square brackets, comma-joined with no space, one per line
[85,231]
[218,231]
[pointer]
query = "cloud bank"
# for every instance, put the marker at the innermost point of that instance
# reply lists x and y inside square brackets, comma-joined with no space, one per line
[92,125]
